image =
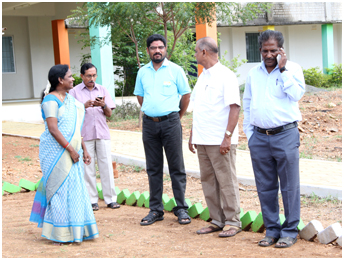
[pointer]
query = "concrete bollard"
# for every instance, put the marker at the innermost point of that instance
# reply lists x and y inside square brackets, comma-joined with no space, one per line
[122,196]
[247,220]
[205,214]
[195,210]
[330,234]
[258,224]
[27,185]
[132,199]
[311,230]
[170,204]
[100,190]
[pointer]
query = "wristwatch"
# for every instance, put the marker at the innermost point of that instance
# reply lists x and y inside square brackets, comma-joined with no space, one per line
[228,133]
[104,106]
[282,69]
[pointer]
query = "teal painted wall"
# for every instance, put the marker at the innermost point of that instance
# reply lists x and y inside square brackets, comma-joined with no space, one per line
[327,46]
[102,59]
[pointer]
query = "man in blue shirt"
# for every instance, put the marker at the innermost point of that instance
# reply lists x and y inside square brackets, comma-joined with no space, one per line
[158,87]
[271,111]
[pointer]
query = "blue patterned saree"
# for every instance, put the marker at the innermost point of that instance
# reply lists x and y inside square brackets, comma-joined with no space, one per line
[62,206]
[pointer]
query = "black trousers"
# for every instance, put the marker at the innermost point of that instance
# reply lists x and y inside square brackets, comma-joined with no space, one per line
[165,135]
[276,157]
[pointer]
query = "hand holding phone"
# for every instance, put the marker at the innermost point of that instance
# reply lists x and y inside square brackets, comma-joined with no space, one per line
[278,58]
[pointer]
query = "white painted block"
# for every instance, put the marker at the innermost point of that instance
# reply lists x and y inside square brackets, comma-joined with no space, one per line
[339,240]
[311,230]
[330,234]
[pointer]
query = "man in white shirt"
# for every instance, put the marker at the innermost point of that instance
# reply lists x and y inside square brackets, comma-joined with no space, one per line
[215,136]
[271,111]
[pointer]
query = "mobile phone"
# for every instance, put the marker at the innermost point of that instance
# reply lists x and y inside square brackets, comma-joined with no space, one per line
[278,58]
[100,98]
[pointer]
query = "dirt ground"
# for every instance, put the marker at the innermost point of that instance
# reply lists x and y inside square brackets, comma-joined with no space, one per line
[120,232]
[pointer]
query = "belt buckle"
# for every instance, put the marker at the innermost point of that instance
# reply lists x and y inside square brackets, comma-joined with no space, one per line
[155,119]
[267,132]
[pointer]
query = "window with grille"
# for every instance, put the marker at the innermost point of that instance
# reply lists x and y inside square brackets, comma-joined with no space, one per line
[252,47]
[7,54]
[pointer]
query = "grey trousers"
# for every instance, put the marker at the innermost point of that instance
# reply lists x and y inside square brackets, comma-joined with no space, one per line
[277,157]
[220,184]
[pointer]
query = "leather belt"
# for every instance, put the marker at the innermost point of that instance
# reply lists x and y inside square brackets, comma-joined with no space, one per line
[159,118]
[273,131]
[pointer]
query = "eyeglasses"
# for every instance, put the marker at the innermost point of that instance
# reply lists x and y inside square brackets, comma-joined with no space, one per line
[154,48]
[91,76]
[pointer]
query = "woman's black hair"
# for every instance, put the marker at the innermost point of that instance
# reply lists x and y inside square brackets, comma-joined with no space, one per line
[56,72]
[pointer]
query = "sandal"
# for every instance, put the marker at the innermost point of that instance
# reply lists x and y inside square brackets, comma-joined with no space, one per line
[288,242]
[151,218]
[113,205]
[95,206]
[209,229]
[182,214]
[270,241]
[229,231]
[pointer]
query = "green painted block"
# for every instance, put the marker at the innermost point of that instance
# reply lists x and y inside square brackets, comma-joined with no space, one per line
[282,218]
[122,196]
[100,191]
[241,213]
[143,197]
[117,190]
[205,214]
[147,202]
[188,202]
[37,184]
[247,220]
[165,199]
[131,201]
[10,188]
[258,223]
[27,185]
[301,225]
[195,210]
[170,204]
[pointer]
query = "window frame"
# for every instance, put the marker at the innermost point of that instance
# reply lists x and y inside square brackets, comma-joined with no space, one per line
[14,58]
[246,43]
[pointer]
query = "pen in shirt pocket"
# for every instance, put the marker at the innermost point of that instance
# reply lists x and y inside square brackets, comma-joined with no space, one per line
[276,82]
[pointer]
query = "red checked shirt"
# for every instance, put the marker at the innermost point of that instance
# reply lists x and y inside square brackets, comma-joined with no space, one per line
[94,126]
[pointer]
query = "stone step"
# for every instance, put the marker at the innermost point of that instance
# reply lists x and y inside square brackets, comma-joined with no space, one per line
[27,185]
[170,204]
[247,220]
[195,210]
[143,197]
[311,230]
[10,188]
[258,223]
[205,214]
[122,196]
[132,199]
[330,234]
[100,190]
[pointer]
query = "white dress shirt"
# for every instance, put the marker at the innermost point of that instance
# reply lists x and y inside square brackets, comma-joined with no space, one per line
[271,99]
[216,89]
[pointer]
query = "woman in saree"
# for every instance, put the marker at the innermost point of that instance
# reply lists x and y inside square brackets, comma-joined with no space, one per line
[62,207]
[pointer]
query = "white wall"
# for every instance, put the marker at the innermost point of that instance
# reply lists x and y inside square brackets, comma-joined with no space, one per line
[19,84]
[75,51]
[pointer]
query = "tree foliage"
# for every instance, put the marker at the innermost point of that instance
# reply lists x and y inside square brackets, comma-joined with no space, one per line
[132,22]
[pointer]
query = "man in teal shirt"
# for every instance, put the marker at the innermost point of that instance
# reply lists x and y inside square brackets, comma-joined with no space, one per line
[158,87]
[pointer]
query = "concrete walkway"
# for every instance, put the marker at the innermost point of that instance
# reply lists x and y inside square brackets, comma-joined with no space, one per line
[324,178]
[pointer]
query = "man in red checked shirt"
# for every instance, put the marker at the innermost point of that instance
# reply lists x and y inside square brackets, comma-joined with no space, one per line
[96,134]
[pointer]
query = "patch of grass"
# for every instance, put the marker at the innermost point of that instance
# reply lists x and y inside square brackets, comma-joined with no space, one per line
[34,145]
[137,168]
[314,199]
[242,146]
[167,178]
[26,159]
[305,155]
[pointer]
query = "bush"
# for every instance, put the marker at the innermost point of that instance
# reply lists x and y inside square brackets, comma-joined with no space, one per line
[77,80]
[316,78]
[335,75]
[127,110]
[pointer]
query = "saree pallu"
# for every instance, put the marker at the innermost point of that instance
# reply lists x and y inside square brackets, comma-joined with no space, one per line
[62,206]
